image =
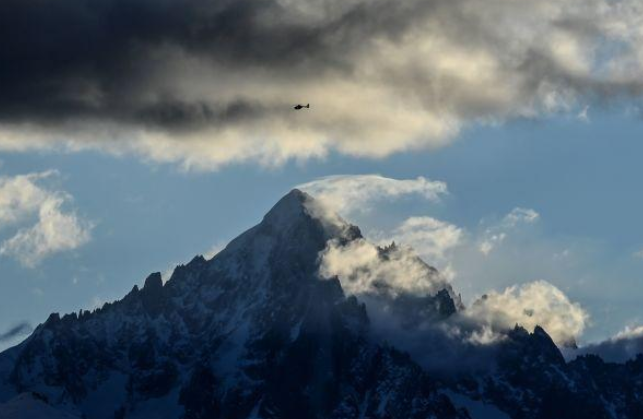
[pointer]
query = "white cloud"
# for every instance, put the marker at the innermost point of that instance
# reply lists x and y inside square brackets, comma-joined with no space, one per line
[357,193]
[533,304]
[55,230]
[363,268]
[638,254]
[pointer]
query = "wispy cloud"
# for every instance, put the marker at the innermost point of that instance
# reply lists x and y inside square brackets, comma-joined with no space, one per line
[583,115]
[496,234]
[348,194]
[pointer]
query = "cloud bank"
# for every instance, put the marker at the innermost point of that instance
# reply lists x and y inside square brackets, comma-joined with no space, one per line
[23,198]
[386,274]
[402,296]
[366,270]
[209,82]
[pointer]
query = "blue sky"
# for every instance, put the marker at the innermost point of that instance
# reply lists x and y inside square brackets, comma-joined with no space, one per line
[581,177]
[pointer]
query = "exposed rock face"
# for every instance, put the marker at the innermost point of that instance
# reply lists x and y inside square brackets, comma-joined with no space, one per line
[255,332]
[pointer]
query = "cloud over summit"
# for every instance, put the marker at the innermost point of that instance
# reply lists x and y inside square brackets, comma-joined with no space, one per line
[209,82]
[359,193]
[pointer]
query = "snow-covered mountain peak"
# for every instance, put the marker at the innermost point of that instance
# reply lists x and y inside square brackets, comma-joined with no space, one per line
[259,331]
[291,206]
[296,229]
[298,207]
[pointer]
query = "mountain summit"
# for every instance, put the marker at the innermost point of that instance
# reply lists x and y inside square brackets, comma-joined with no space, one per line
[259,332]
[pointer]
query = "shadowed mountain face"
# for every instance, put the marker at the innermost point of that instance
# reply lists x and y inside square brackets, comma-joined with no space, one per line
[256,332]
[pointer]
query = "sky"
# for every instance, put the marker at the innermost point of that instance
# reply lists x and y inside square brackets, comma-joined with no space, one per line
[501,142]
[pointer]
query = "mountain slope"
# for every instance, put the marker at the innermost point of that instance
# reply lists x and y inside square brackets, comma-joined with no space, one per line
[253,332]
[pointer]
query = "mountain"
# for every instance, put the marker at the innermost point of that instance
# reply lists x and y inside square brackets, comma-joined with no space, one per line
[258,332]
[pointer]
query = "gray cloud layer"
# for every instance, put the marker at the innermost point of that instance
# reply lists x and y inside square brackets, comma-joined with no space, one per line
[208,82]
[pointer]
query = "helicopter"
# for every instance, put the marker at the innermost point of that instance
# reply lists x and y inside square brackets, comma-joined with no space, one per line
[298,107]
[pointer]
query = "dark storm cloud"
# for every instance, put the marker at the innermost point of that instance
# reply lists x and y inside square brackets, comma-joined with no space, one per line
[92,59]
[182,115]
[97,59]
[206,82]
